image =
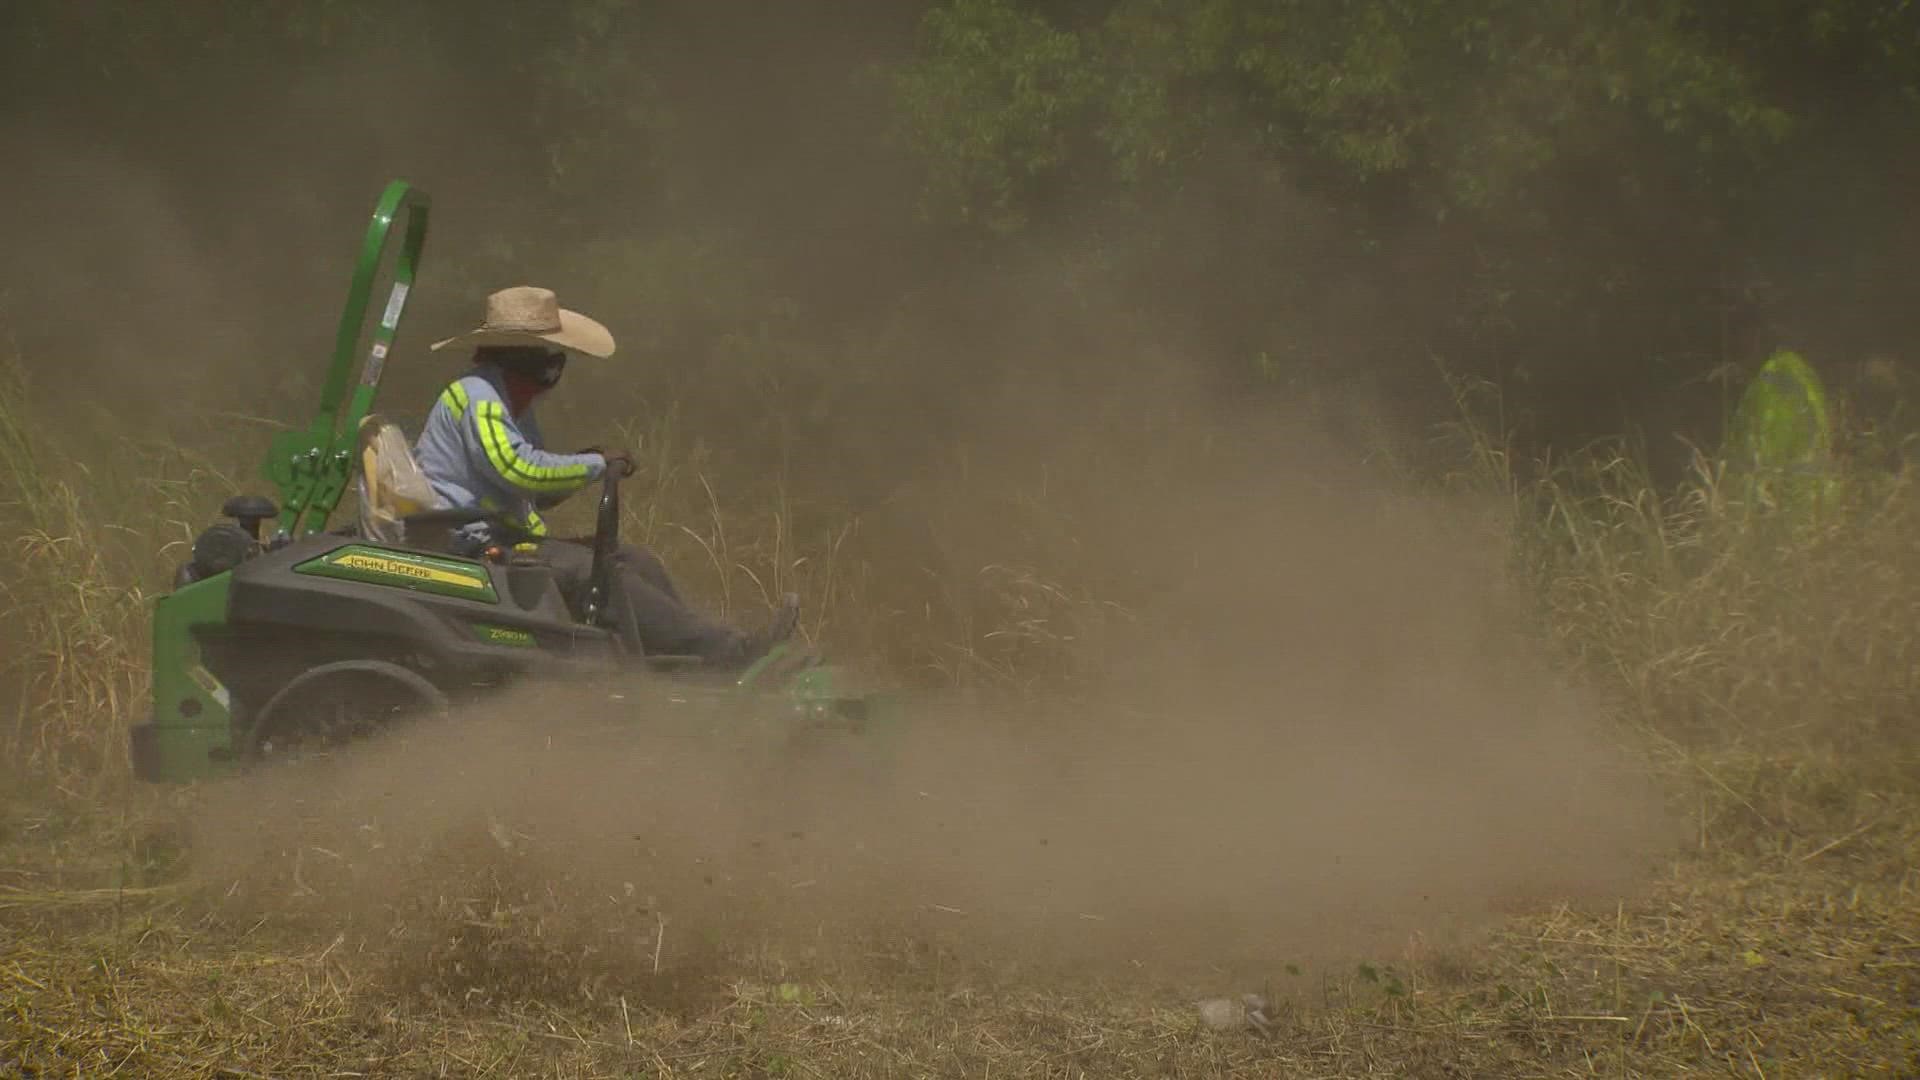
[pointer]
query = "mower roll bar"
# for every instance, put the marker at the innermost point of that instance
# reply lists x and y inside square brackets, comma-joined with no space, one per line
[312,468]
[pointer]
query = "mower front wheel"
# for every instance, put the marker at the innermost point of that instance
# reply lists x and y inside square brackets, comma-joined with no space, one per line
[335,704]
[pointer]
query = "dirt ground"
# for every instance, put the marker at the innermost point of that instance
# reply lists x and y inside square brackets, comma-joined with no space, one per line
[695,900]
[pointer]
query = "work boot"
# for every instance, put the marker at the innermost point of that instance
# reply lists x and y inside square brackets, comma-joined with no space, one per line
[779,628]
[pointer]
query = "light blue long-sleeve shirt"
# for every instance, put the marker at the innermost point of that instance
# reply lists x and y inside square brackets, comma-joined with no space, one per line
[476,453]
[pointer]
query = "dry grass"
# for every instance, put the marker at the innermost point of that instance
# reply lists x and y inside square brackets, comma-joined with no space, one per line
[1728,608]
[89,542]
[1793,961]
[1763,659]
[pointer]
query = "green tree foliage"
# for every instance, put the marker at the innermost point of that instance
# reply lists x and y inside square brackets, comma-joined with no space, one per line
[1019,83]
[1593,203]
[1574,193]
[1464,102]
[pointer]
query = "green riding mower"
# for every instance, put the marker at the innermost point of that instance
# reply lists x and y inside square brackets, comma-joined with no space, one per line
[281,635]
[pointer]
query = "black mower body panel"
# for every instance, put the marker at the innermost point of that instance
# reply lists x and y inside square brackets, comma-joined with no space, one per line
[514,621]
[224,646]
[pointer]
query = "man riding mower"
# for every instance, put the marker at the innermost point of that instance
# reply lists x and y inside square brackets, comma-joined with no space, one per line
[481,448]
[283,631]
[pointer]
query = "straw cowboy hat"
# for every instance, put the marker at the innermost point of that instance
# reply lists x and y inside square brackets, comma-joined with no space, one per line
[528,315]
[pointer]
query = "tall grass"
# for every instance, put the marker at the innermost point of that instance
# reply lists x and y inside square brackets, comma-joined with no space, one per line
[1705,614]
[89,540]
[1712,608]
[915,590]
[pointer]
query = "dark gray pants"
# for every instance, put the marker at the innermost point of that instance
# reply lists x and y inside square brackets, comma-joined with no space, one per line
[667,626]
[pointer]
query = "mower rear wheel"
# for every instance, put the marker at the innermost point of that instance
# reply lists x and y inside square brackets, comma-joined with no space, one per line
[333,705]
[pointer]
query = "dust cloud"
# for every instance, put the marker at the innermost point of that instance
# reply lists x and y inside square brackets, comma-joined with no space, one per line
[1320,740]
[1304,726]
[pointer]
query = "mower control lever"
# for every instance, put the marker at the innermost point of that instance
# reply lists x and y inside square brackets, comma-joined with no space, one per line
[606,545]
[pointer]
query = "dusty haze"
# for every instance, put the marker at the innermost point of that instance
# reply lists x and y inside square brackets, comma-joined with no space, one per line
[1329,747]
[1306,727]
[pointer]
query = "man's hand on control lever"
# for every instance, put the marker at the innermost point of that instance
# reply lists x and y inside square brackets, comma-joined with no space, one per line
[617,457]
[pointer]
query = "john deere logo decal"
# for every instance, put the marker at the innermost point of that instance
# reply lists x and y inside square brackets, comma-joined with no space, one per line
[380,564]
[425,573]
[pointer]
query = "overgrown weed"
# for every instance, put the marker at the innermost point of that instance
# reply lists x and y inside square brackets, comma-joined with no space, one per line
[91,540]
[1717,610]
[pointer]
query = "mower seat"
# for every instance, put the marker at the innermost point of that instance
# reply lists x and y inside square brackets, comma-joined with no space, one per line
[392,488]
[397,505]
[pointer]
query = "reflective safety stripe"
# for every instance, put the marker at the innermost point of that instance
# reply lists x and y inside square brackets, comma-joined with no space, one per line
[491,418]
[454,397]
[532,524]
